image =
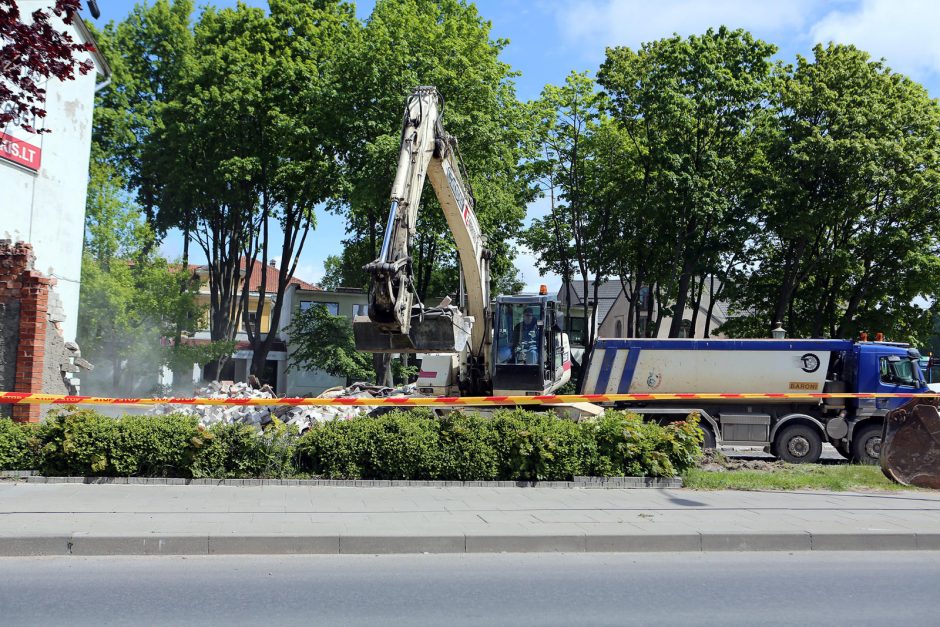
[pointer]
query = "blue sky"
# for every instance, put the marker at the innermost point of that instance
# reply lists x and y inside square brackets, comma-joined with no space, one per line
[550,38]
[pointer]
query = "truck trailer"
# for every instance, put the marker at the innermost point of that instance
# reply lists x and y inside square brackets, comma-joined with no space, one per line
[792,429]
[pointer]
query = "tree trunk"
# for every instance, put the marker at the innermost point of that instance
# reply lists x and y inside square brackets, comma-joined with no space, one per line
[382,362]
[659,312]
[712,297]
[681,298]
[180,373]
[699,290]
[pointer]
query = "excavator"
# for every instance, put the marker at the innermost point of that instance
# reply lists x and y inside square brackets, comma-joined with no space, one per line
[513,345]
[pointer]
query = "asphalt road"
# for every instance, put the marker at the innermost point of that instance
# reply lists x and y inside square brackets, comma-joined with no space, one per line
[536,589]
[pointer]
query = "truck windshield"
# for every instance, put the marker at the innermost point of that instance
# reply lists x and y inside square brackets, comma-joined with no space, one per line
[519,334]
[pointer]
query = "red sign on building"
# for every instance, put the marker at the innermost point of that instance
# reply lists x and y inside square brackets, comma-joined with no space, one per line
[18,151]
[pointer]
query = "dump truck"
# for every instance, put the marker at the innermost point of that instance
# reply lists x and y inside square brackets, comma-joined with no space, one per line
[792,429]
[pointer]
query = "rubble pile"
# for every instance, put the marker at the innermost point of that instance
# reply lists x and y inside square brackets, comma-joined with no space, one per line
[303,417]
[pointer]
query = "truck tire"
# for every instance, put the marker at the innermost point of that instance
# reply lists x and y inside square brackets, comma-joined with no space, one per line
[798,444]
[866,445]
[708,441]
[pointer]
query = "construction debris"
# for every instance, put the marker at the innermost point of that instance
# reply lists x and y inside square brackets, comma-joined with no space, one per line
[302,417]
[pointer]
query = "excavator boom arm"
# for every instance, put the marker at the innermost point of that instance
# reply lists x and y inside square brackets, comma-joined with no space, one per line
[395,322]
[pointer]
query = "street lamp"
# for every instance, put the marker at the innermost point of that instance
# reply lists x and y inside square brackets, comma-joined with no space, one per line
[779,332]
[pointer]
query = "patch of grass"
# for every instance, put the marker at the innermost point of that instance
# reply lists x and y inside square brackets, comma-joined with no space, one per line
[837,478]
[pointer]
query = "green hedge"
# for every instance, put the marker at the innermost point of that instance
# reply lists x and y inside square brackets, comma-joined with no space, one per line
[510,445]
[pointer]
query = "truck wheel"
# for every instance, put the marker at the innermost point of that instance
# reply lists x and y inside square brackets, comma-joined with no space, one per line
[708,442]
[798,444]
[866,445]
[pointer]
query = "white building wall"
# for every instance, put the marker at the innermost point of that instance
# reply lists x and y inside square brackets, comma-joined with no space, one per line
[47,208]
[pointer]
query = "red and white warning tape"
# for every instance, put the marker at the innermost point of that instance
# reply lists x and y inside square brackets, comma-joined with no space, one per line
[22,398]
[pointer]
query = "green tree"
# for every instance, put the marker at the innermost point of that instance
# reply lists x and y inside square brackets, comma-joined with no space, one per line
[298,166]
[213,146]
[689,105]
[146,52]
[251,138]
[446,43]
[849,229]
[322,341]
[129,301]
[573,237]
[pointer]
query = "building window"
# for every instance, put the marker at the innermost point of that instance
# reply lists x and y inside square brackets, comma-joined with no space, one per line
[332,308]
[641,326]
[685,329]
[359,309]
[576,331]
[618,329]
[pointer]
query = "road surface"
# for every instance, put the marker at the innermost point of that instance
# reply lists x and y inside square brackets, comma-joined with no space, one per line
[833,588]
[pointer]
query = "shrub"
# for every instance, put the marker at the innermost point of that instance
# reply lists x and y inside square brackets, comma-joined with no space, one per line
[241,451]
[16,452]
[511,445]
[467,448]
[396,445]
[541,446]
[75,442]
[627,446]
[152,446]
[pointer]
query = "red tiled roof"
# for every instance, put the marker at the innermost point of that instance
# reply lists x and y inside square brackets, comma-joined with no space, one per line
[270,286]
[270,272]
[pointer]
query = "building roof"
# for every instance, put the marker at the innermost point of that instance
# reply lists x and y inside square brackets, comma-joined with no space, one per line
[101,63]
[607,293]
[270,273]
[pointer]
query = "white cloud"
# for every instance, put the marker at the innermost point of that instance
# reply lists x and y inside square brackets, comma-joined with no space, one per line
[596,24]
[903,32]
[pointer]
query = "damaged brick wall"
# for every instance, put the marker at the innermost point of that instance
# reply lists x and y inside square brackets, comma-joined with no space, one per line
[9,340]
[34,357]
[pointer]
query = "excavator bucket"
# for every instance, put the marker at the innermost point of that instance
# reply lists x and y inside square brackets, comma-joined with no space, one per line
[910,445]
[439,331]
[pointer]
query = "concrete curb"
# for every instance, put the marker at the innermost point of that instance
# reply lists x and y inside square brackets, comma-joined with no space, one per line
[618,483]
[87,544]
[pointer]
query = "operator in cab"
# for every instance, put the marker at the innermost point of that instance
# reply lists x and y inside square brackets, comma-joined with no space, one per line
[525,338]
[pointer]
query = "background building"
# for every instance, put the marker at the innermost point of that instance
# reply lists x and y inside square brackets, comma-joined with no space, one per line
[44,177]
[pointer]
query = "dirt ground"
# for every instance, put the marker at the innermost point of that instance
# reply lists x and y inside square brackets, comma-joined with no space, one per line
[716,461]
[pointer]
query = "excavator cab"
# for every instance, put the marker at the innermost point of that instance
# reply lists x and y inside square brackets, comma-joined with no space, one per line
[530,352]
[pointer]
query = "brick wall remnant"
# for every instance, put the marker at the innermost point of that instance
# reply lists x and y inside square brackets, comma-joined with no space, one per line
[37,344]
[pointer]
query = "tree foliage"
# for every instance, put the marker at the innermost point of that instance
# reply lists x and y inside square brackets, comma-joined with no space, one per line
[690,106]
[406,43]
[31,51]
[693,168]
[129,301]
[322,341]
[848,235]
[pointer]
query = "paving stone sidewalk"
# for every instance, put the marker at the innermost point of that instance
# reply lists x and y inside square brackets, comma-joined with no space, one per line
[78,519]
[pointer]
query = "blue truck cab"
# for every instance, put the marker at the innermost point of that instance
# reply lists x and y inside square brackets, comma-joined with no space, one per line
[880,367]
